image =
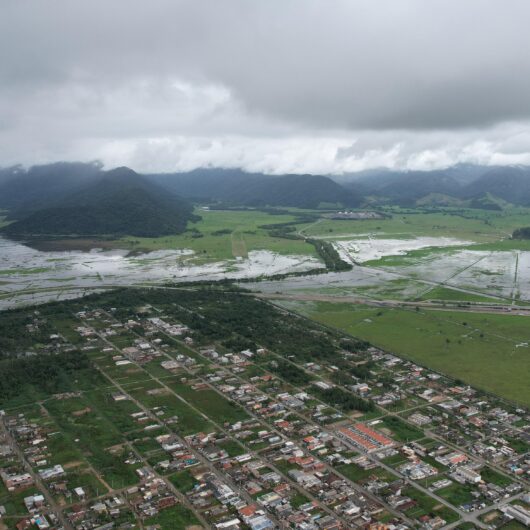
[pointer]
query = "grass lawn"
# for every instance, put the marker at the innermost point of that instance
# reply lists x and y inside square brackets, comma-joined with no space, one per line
[490,475]
[480,349]
[231,447]
[457,494]
[428,506]
[183,480]
[93,434]
[355,472]
[175,518]
[189,421]
[210,403]
[298,499]
[400,430]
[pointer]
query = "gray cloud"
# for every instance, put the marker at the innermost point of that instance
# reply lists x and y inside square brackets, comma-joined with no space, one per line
[305,85]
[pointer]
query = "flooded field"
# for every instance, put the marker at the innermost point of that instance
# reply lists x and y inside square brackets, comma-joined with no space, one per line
[390,269]
[501,275]
[371,248]
[28,275]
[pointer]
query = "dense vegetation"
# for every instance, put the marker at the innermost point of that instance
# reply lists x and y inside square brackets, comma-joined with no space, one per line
[325,250]
[49,374]
[291,373]
[343,400]
[521,233]
[14,335]
[329,255]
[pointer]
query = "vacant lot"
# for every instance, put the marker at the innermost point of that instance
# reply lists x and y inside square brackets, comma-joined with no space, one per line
[486,350]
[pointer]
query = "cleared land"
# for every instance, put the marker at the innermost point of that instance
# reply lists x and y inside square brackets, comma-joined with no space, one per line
[488,351]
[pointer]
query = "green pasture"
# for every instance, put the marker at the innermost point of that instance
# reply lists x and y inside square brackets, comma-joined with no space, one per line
[489,351]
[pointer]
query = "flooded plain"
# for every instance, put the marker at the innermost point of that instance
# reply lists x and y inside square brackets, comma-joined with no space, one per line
[29,276]
[371,248]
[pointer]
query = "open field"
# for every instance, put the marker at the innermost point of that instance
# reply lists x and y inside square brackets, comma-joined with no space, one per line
[476,225]
[223,234]
[453,295]
[486,350]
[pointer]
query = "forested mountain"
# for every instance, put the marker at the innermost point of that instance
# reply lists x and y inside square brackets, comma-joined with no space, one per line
[255,189]
[121,202]
[82,191]
[34,187]
[463,185]
[511,184]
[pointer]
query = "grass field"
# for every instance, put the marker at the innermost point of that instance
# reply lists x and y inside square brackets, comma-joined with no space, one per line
[176,517]
[219,235]
[485,350]
[225,235]
[454,295]
[474,225]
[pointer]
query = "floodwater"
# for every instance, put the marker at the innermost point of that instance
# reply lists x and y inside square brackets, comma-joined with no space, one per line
[361,250]
[30,276]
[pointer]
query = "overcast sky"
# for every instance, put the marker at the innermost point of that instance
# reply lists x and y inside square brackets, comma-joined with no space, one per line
[317,86]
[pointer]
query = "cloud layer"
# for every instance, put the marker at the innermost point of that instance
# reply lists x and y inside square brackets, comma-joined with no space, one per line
[278,86]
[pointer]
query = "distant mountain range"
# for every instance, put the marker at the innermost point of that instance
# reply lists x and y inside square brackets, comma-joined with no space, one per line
[83,199]
[235,187]
[462,185]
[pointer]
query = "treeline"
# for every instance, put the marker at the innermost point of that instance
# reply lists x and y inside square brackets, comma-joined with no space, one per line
[329,255]
[287,230]
[324,249]
[49,374]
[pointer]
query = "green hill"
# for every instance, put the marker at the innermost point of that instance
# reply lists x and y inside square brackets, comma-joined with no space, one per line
[120,203]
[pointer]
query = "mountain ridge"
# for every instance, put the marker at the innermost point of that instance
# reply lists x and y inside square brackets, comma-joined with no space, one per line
[120,203]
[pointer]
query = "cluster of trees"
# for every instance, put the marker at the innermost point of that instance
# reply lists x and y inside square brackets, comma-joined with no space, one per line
[324,249]
[521,233]
[228,316]
[14,336]
[48,374]
[354,345]
[238,343]
[222,232]
[287,230]
[344,400]
[290,373]
[329,255]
